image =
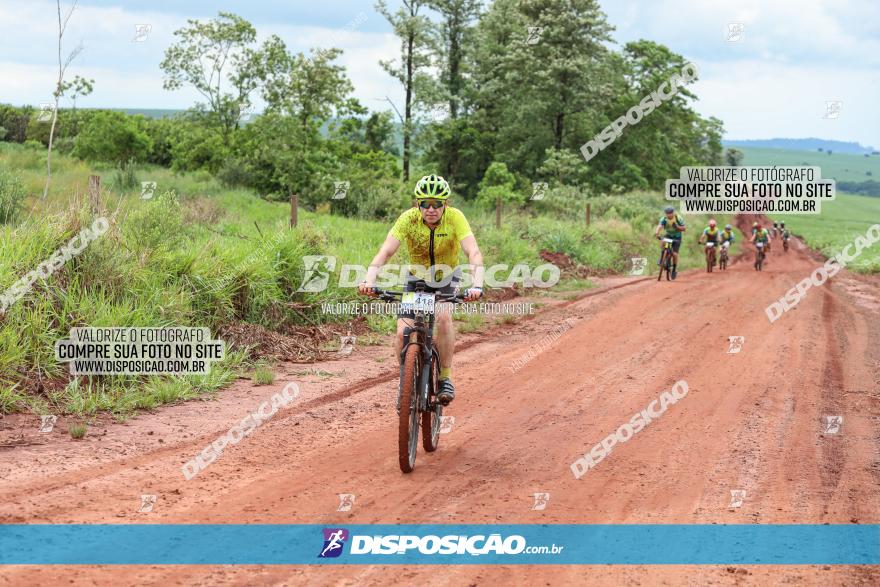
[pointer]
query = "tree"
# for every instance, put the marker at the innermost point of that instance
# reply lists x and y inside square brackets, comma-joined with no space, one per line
[59,86]
[113,137]
[544,74]
[415,33]
[379,132]
[456,39]
[211,56]
[453,58]
[310,90]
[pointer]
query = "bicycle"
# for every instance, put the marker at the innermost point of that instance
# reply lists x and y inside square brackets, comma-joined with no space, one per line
[666,258]
[723,257]
[419,374]
[759,258]
[710,256]
[785,244]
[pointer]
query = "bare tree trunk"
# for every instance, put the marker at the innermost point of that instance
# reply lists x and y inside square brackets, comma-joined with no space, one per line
[407,128]
[62,66]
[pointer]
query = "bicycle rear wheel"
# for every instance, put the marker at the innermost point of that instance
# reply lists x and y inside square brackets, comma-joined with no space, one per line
[408,431]
[431,417]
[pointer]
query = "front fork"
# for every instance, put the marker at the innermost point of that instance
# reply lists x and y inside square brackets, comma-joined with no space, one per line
[411,336]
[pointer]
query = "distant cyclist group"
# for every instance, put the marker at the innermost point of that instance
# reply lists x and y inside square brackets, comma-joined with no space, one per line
[713,239]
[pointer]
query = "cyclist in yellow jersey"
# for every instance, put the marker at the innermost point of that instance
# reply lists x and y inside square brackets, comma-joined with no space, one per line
[434,233]
[711,234]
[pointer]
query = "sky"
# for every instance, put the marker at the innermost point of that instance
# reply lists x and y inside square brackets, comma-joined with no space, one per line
[768,68]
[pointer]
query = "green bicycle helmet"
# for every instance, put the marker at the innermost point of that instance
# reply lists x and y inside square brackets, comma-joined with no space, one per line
[432,186]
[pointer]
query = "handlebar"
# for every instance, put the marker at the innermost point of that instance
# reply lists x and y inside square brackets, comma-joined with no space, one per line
[389,296]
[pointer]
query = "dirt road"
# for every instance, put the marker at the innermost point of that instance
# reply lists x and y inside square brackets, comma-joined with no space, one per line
[752,421]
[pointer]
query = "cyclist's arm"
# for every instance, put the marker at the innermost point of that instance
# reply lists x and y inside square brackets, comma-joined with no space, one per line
[658,229]
[386,251]
[475,258]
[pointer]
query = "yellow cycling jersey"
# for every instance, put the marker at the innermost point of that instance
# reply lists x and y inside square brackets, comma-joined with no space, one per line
[431,246]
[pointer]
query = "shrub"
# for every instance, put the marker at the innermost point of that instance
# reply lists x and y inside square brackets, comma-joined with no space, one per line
[158,223]
[498,183]
[124,179]
[113,137]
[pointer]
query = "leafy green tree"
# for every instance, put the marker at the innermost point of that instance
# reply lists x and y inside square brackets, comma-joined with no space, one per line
[672,135]
[416,39]
[113,137]
[498,183]
[379,133]
[453,58]
[543,72]
[310,91]
[218,60]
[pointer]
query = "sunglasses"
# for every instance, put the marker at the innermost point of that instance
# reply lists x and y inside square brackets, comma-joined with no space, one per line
[425,204]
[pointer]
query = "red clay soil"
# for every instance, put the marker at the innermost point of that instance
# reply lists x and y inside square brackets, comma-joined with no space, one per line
[751,421]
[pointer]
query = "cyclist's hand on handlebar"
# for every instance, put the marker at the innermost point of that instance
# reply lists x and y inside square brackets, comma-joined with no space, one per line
[473,294]
[367,290]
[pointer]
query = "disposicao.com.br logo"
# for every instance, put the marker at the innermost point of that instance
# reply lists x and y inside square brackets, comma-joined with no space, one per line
[334,540]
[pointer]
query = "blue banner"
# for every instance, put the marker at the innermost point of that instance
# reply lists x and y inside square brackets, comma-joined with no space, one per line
[563,544]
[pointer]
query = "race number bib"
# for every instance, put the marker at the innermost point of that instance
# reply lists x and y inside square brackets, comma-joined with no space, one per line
[417,302]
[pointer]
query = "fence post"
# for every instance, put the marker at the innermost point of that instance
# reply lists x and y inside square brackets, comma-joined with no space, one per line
[294,204]
[588,213]
[95,193]
[498,213]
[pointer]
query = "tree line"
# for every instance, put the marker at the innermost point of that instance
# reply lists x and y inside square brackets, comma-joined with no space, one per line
[497,96]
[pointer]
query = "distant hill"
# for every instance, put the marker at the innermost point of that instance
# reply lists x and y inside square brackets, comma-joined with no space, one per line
[810,144]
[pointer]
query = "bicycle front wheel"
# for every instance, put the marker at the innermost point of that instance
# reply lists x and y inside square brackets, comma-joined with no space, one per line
[431,417]
[408,432]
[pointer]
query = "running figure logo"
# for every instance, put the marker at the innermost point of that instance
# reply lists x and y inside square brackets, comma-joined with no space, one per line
[340,189]
[534,35]
[446,423]
[317,272]
[736,344]
[148,188]
[538,190]
[638,265]
[147,503]
[735,32]
[541,501]
[833,424]
[737,496]
[334,540]
[346,502]
[47,423]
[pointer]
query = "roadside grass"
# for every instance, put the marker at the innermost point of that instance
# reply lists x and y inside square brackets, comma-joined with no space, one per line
[78,430]
[263,375]
[839,223]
